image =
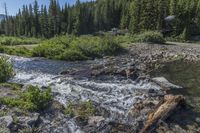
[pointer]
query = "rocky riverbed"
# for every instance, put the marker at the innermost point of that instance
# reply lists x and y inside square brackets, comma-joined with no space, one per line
[121,89]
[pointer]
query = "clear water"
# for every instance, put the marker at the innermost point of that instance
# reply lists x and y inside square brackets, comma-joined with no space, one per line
[186,75]
[117,96]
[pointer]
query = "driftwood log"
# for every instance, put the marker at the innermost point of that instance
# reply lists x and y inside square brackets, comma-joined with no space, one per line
[162,112]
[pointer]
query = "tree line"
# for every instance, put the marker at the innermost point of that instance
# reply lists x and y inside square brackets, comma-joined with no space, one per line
[102,15]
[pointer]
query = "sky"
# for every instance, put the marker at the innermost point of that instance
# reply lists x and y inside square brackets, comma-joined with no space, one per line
[14,5]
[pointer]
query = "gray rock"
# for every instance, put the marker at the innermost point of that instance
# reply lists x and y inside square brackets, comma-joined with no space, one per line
[197,119]
[6,121]
[165,83]
[95,120]
[29,121]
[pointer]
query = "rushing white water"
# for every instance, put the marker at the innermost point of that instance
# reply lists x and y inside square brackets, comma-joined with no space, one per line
[116,96]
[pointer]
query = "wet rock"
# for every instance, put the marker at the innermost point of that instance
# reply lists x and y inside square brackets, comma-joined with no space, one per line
[30,121]
[197,119]
[6,121]
[163,111]
[142,108]
[95,120]
[163,82]
[81,121]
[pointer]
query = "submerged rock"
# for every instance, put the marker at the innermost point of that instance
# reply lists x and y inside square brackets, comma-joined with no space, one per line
[165,83]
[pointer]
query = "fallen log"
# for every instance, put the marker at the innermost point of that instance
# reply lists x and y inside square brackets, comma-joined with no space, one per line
[163,111]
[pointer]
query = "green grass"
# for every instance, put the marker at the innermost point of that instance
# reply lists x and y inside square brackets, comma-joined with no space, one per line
[72,48]
[13,86]
[29,47]
[11,41]
[77,48]
[20,51]
[21,46]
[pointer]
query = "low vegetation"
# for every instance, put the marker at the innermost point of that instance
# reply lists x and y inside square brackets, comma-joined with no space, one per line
[12,86]
[33,99]
[149,37]
[19,51]
[84,109]
[77,48]
[72,48]
[124,39]
[11,41]
[6,69]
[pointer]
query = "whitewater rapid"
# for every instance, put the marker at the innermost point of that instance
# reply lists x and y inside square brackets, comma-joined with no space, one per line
[116,96]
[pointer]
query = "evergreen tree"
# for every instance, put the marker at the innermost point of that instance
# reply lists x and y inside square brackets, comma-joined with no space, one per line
[103,15]
[135,11]
[36,19]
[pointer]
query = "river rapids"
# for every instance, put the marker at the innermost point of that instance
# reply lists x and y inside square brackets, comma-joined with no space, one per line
[115,95]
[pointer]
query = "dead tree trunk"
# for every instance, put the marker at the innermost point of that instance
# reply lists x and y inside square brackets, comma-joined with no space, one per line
[169,104]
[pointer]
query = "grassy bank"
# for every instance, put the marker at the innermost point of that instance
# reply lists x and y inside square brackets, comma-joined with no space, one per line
[77,48]
[12,41]
[71,48]
[21,46]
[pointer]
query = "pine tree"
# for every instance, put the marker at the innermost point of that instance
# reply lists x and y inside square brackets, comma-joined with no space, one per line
[125,16]
[162,9]
[135,10]
[102,15]
[77,23]
[173,7]
[36,19]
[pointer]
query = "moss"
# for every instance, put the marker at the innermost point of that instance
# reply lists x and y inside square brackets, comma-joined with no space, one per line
[84,109]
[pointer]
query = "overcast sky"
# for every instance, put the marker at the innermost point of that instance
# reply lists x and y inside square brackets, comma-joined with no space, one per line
[14,5]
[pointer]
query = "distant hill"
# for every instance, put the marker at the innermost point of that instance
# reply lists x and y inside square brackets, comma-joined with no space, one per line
[2,16]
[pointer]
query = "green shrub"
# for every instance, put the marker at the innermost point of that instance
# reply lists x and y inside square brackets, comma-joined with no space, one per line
[71,55]
[48,50]
[87,45]
[33,99]
[96,46]
[108,46]
[20,51]
[149,37]
[53,47]
[77,48]
[6,69]
[84,109]
[127,39]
